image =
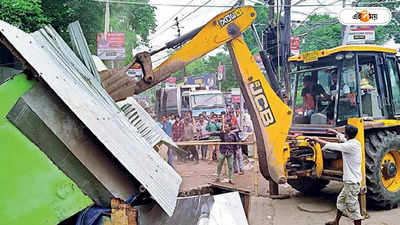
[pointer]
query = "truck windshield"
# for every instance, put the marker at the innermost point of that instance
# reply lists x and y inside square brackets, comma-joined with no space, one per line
[207,100]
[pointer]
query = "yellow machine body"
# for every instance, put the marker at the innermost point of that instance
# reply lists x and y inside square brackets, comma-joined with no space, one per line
[284,153]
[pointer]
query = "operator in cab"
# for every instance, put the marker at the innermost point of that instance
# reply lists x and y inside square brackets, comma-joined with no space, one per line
[332,93]
[312,94]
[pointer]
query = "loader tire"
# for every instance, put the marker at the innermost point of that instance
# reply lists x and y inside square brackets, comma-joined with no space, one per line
[308,185]
[382,168]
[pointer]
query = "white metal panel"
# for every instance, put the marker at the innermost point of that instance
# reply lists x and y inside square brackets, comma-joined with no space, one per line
[59,67]
[143,123]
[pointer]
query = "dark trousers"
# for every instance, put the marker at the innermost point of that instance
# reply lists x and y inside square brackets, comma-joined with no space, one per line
[192,150]
[204,149]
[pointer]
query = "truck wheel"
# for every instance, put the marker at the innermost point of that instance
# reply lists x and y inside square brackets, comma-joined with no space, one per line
[308,185]
[382,166]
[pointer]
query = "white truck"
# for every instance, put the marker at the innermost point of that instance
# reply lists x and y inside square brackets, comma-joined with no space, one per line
[189,98]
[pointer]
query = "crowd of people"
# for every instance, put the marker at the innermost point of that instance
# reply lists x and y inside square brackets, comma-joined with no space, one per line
[224,127]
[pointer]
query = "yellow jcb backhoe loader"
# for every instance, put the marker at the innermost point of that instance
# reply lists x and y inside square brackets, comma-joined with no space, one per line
[359,86]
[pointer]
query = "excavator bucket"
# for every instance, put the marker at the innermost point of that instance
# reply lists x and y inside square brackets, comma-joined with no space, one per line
[118,85]
[218,31]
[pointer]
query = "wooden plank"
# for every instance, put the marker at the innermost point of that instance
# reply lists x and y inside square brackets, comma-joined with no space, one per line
[255,170]
[229,187]
[122,213]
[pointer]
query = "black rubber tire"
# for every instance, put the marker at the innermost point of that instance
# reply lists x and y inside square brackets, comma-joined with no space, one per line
[377,144]
[308,185]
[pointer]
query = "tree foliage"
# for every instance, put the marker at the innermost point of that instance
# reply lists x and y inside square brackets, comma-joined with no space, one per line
[30,15]
[392,30]
[135,21]
[260,22]
[319,32]
[26,15]
[90,14]
[209,64]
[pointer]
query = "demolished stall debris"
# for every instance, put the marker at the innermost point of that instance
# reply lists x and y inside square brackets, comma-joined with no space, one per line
[67,82]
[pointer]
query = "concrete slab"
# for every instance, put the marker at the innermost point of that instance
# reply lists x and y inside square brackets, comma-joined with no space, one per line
[261,211]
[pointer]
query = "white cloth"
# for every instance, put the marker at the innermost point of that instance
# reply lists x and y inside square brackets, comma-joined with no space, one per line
[352,156]
[202,128]
[248,124]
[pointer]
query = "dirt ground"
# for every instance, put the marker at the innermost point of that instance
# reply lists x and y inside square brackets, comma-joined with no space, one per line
[298,209]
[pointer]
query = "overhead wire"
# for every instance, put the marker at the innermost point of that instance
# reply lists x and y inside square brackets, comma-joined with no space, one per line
[314,10]
[180,20]
[228,6]
[197,9]
[173,16]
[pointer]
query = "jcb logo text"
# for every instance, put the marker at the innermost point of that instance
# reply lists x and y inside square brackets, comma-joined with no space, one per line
[262,104]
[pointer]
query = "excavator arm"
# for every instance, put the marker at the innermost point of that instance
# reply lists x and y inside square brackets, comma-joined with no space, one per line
[218,31]
[271,117]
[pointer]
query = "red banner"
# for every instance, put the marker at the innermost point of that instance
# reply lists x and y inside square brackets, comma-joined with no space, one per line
[111,46]
[221,72]
[235,99]
[295,45]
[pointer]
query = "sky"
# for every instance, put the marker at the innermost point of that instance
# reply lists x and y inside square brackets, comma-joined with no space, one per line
[191,17]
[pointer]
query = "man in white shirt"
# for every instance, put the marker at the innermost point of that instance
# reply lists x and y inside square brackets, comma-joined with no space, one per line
[202,129]
[347,201]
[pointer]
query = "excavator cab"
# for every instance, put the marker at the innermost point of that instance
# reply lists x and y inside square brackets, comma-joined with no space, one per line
[331,86]
[358,85]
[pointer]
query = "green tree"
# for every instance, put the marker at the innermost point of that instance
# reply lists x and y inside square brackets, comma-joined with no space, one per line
[260,22]
[90,14]
[223,58]
[319,32]
[30,15]
[392,30]
[135,21]
[197,67]
[209,64]
[26,15]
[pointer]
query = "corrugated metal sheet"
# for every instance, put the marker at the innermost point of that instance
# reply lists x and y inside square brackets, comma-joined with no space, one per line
[60,68]
[81,48]
[144,123]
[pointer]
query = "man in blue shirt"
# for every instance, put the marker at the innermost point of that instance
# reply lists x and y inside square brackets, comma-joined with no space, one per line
[167,127]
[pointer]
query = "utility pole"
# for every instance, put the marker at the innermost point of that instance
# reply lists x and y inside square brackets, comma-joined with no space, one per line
[286,46]
[177,26]
[344,28]
[107,25]
[179,34]
[107,18]
[271,4]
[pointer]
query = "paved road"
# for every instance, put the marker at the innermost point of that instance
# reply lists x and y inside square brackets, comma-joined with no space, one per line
[318,210]
[282,212]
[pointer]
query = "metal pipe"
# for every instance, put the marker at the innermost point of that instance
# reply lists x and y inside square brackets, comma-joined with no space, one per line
[253,27]
[178,41]
[314,69]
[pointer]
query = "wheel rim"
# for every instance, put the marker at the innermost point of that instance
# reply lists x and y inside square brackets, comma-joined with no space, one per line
[390,171]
